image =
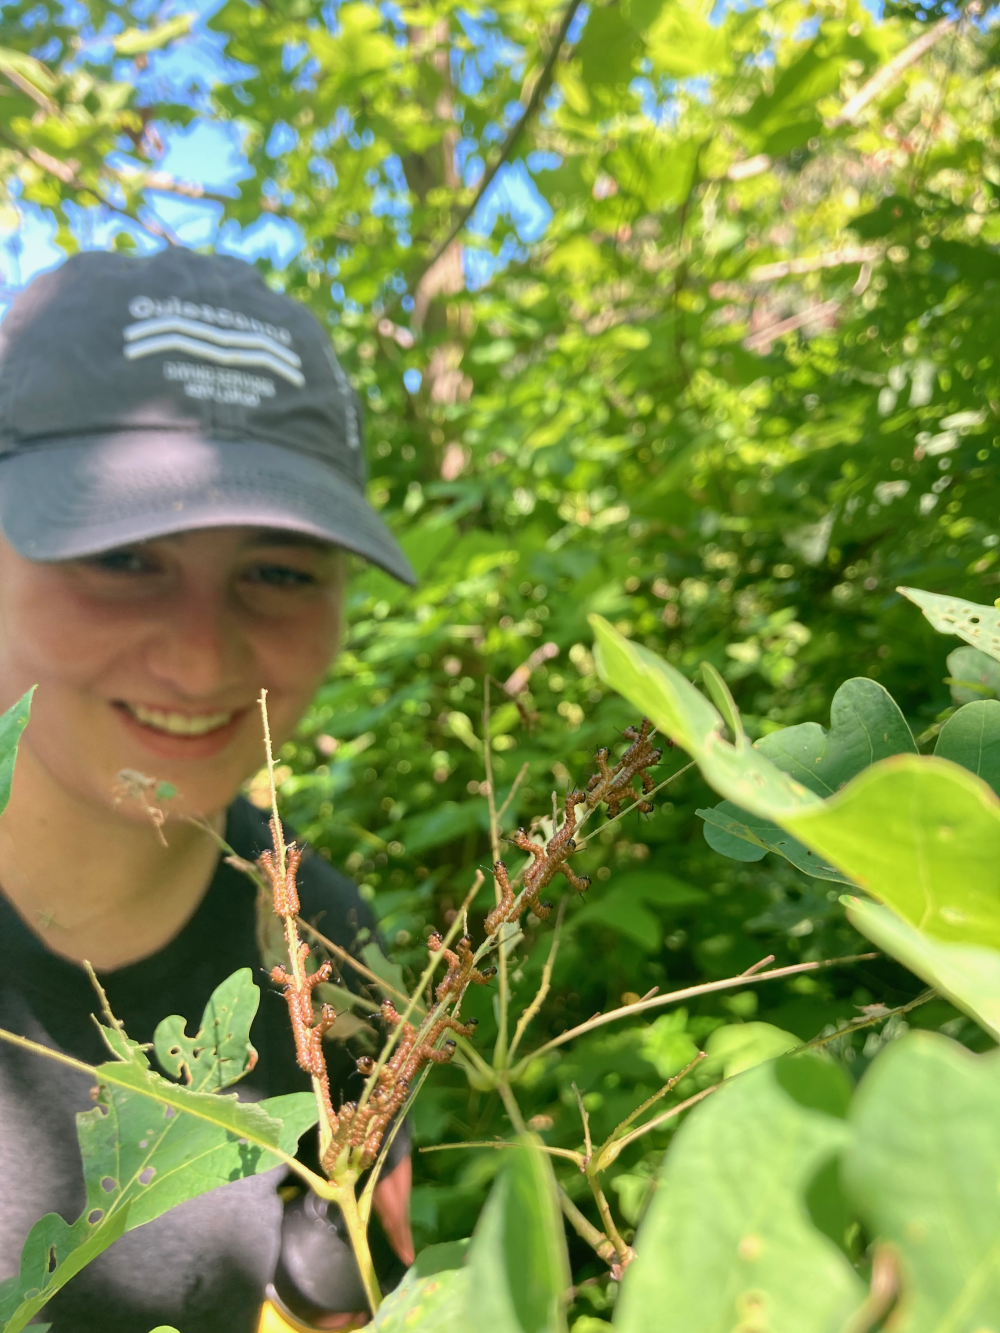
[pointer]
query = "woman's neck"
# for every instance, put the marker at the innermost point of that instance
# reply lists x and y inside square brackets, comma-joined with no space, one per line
[94,882]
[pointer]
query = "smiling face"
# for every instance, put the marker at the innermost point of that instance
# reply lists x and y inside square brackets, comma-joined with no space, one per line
[152,657]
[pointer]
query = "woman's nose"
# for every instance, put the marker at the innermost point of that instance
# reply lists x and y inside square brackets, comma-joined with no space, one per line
[197,650]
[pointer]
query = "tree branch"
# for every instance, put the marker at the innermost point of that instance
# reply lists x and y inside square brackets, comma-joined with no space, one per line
[513,138]
[884,78]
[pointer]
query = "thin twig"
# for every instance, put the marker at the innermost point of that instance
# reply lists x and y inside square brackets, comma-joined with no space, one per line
[513,791]
[689,992]
[546,982]
[588,1147]
[658,1120]
[755,967]
[669,1086]
[506,1143]
[585,1229]
[513,138]
[860,1024]
[884,78]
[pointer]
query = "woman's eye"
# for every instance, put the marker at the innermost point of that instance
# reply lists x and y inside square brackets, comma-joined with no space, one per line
[123,561]
[280,576]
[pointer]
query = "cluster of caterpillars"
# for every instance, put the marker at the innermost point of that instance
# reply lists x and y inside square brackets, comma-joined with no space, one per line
[357,1129]
[611,784]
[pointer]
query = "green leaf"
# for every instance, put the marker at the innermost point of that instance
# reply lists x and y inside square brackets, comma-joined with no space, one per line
[140,41]
[968,974]
[149,1144]
[626,907]
[978,625]
[727,1235]
[972,675]
[745,837]
[738,771]
[921,835]
[434,1295]
[221,1052]
[740,1046]
[923,1172]
[681,43]
[865,725]
[518,1265]
[971,738]
[12,724]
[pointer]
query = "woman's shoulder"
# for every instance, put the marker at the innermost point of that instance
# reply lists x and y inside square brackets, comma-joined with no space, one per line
[329,900]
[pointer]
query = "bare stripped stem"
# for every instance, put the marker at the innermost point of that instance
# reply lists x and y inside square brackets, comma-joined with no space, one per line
[668,1087]
[688,993]
[522,774]
[543,989]
[503,988]
[588,1147]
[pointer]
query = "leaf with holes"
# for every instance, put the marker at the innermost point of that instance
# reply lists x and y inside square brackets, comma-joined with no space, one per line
[150,1144]
[978,625]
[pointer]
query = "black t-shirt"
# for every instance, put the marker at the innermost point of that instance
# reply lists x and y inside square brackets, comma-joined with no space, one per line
[203,1266]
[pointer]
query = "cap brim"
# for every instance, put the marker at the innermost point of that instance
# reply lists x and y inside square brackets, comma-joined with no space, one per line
[77,497]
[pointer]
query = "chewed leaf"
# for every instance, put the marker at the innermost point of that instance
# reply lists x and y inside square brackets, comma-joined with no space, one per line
[220,1053]
[978,625]
[150,1144]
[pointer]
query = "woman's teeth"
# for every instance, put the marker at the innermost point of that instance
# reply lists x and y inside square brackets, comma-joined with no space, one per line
[179,724]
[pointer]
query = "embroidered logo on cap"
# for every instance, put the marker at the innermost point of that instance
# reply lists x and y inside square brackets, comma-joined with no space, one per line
[175,326]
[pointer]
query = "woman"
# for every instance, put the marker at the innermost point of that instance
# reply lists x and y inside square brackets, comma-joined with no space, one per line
[180,476]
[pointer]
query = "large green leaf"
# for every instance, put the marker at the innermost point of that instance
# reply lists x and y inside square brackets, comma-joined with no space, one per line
[971,737]
[923,1171]
[728,1234]
[737,770]
[149,1144]
[12,724]
[978,625]
[519,1269]
[969,974]
[921,835]
[866,725]
[433,1297]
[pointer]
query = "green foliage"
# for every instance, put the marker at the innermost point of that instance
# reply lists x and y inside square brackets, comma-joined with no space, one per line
[12,723]
[727,1225]
[150,1144]
[743,387]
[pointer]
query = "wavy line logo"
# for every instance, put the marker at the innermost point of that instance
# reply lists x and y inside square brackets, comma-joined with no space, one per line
[223,347]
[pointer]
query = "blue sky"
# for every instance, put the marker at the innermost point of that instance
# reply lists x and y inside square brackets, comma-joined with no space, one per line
[210,153]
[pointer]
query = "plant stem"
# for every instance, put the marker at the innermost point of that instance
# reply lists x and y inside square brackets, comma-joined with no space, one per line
[689,992]
[585,1229]
[358,1235]
[624,1252]
[503,988]
[543,989]
[292,941]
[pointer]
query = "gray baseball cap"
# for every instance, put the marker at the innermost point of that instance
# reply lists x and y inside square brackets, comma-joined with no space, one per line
[141,397]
